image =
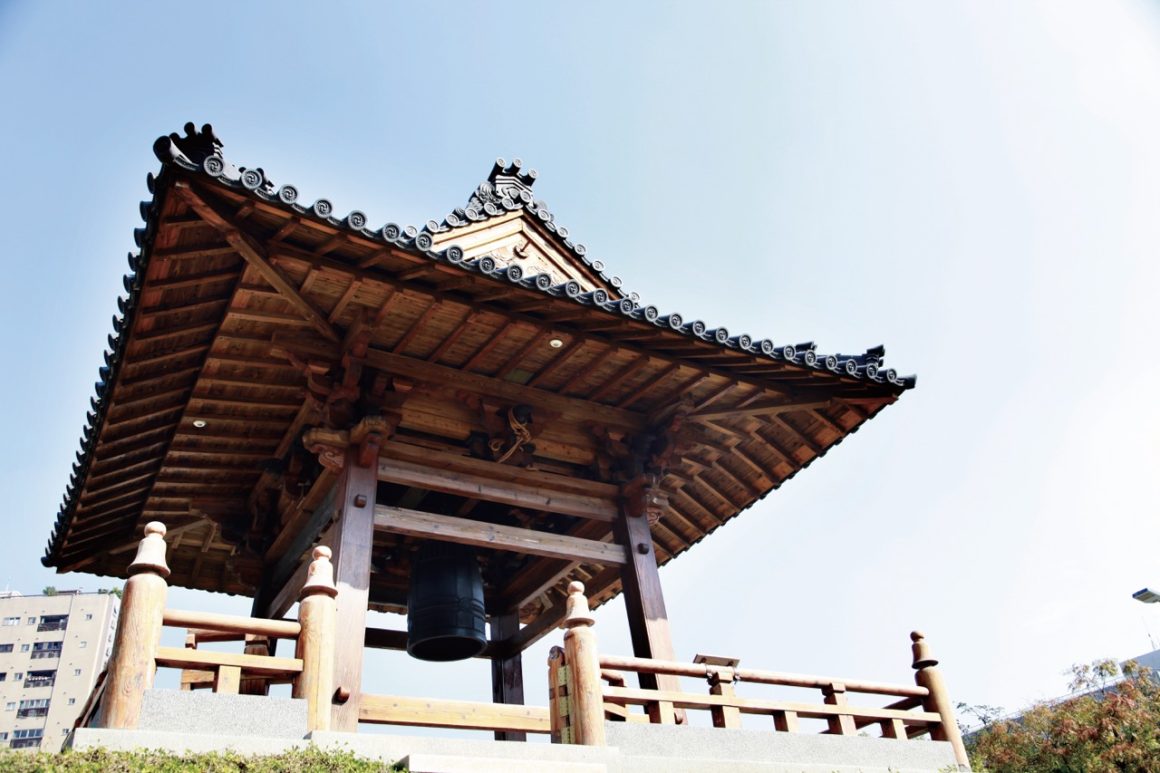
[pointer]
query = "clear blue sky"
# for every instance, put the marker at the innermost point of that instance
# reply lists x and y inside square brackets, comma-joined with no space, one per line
[976,185]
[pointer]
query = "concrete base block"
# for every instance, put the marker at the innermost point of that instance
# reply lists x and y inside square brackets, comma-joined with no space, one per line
[206,713]
[676,749]
[445,763]
[178,743]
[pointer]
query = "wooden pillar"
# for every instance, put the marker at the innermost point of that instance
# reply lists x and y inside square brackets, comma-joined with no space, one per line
[353,538]
[642,504]
[507,673]
[926,674]
[585,690]
[316,613]
[133,662]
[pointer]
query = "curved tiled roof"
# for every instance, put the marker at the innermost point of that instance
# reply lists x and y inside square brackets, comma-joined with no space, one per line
[507,189]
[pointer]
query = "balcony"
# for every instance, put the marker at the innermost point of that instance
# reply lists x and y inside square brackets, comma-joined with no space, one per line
[41,711]
[58,625]
[24,743]
[40,682]
[42,654]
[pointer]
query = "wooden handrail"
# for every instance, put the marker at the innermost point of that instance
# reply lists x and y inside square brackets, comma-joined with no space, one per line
[636,696]
[182,657]
[465,715]
[233,624]
[704,670]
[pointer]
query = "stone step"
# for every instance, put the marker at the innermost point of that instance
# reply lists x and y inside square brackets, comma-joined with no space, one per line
[426,762]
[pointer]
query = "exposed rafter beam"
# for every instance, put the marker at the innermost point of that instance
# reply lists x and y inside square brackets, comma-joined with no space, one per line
[252,252]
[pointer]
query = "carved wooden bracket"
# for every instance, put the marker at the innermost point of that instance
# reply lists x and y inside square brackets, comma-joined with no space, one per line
[367,436]
[642,496]
[508,430]
[624,457]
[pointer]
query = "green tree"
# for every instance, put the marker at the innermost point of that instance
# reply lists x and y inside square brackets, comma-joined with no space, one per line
[49,590]
[1113,724]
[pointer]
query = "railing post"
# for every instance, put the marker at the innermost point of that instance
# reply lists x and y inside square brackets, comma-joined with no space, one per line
[721,680]
[585,690]
[558,711]
[316,615]
[133,662]
[926,674]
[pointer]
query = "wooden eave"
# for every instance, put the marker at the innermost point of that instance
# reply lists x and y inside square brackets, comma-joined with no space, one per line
[240,296]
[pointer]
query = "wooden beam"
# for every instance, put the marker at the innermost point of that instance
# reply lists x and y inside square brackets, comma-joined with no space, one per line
[413,523]
[773,408]
[509,492]
[252,252]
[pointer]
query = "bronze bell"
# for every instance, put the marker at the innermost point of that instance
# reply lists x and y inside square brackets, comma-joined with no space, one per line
[445,614]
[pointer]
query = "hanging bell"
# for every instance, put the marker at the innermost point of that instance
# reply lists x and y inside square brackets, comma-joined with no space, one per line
[445,614]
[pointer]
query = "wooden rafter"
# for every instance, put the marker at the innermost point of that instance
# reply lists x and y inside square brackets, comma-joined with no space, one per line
[252,252]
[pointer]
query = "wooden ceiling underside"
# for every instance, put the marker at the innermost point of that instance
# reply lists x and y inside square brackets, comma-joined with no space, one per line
[244,301]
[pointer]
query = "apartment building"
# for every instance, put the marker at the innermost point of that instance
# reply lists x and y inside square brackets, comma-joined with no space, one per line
[52,648]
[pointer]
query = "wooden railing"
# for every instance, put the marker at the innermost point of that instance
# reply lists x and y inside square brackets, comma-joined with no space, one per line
[464,715]
[586,689]
[137,650]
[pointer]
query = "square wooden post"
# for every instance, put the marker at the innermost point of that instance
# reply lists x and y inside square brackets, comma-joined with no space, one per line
[507,673]
[353,538]
[642,504]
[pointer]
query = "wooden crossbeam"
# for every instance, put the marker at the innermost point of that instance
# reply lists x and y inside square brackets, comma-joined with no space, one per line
[413,523]
[516,493]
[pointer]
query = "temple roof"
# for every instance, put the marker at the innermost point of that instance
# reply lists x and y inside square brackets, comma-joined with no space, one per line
[238,289]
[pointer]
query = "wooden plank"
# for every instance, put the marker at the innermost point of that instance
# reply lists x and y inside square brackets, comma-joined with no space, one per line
[512,493]
[429,712]
[180,657]
[465,531]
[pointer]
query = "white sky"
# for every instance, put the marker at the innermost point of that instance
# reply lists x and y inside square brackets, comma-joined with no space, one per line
[976,185]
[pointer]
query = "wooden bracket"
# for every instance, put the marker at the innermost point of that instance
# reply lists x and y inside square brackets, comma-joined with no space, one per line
[642,496]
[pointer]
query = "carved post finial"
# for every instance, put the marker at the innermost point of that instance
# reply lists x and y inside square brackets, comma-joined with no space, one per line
[151,551]
[577,610]
[921,650]
[320,575]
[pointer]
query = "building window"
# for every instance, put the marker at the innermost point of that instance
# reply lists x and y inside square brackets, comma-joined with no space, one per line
[47,649]
[40,679]
[24,648]
[82,644]
[3,736]
[3,676]
[12,620]
[5,647]
[52,623]
[88,615]
[33,708]
[76,672]
[18,676]
[10,706]
[72,701]
[32,621]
